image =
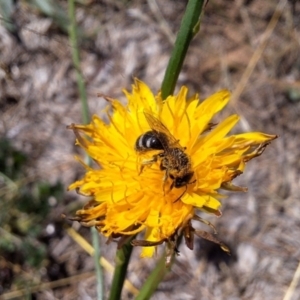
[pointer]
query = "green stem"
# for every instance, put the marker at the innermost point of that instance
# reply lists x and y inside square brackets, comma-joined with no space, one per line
[122,261]
[153,280]
[189,27]
[86,119]
[76,62]
[158,274]
[98,269]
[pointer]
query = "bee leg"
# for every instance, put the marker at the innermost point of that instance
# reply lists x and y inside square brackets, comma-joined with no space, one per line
[172,185]
[173,182]
[164,187]
[165,178]
[148,162]
[181,194]
[144,243]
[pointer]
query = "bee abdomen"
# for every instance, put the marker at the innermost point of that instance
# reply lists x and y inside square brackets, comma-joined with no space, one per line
[148,141]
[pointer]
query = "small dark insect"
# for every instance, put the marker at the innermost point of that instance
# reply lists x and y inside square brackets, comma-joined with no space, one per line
[174,161]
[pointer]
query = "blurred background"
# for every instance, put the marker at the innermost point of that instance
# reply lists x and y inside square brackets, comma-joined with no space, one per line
[248,46]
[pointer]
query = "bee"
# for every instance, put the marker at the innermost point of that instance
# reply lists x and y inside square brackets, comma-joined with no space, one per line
[173,159]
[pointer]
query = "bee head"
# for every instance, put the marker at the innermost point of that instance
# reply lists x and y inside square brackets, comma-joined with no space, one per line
[181,181]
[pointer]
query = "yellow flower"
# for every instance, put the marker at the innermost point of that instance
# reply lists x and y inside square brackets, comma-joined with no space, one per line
[135,189]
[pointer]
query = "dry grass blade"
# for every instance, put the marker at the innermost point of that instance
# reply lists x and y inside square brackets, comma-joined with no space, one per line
[47,286]
[161,20]
[291,290]
[258,52]
[104,263]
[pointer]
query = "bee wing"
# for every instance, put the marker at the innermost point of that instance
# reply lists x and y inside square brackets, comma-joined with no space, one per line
[158,127]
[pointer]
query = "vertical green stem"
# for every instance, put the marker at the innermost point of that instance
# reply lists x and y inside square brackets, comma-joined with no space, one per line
[76,62]
[122,261]
[189,27]
[157,275]
[98,269]
[153,280]
[86,119]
